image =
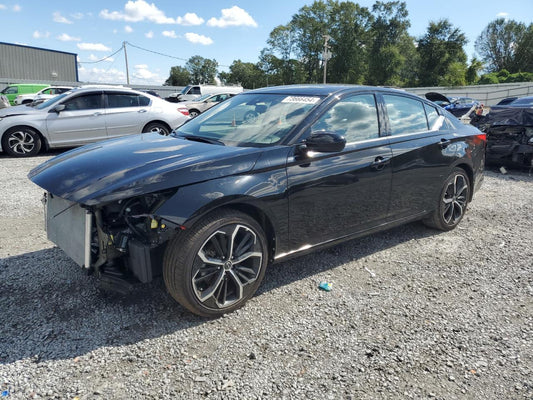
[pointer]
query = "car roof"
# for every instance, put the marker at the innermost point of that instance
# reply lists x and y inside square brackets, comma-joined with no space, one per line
[92,88]
[320,90]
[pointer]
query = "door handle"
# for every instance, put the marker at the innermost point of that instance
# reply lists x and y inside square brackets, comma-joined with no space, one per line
[444,143]
[142,111]
[96,114]
[380,163]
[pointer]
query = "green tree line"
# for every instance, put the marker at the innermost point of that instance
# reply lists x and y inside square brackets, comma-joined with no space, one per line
[360,45]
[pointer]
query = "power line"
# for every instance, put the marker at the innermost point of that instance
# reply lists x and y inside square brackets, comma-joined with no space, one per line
[103,59]
[166,55]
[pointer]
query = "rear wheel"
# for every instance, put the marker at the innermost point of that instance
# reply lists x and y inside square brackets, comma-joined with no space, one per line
[194,113]
[217,265]
[21,141]
[453,201]
[157,127]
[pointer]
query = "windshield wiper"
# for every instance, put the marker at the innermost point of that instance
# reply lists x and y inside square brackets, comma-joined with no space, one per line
[202,139]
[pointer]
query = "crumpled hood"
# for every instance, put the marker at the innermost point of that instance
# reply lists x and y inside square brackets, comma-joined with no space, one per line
[435,96]
[138,164]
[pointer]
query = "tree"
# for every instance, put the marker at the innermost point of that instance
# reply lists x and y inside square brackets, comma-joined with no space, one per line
[310,25]
[277,61]
[523,56]
[248,75]
[389,34]
[179,76]
[498,43]
[472,71]
[202,70]
[349,30]
[439,49]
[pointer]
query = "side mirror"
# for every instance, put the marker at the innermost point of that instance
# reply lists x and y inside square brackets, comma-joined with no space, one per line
[58,108]
[325,142]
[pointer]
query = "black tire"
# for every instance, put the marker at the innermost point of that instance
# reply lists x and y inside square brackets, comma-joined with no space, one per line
[194,113]
[157,127]
[201,267]
[21,141]
[453,201]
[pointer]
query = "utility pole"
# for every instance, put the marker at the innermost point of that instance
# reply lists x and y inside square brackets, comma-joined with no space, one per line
[326,55]
[126,57]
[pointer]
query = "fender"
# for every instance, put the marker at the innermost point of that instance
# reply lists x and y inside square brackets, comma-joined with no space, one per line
[263,189]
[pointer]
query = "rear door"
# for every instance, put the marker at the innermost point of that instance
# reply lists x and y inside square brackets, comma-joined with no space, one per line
[82,121]
[126,113]
[332,195]
[422,153]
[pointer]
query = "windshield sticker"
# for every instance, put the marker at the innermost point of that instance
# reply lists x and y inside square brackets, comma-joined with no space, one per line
[301,99]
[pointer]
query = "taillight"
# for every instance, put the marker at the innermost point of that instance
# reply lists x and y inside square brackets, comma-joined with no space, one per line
[480,139]
[183,110]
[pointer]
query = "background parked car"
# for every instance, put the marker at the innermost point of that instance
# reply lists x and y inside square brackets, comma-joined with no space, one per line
[41,95]
[506,101]
[13,90]
[522,102]
[203,103]
[84,115]
[458,106]
[192,92]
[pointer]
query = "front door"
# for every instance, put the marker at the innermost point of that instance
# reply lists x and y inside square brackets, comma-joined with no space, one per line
[332,195]
[82,121]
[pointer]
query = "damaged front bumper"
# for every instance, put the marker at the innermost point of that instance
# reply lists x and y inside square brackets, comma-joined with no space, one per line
[119,238]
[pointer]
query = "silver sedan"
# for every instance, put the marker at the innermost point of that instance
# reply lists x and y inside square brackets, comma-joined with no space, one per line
[84,115]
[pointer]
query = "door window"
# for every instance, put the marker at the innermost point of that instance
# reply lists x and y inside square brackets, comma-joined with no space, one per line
[405,115]
[10,90]
[84,102]
[355,118]
[195,90]
[121,100]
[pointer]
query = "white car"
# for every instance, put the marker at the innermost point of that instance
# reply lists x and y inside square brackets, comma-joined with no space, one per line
[196,107]
[84,115]
[41,95]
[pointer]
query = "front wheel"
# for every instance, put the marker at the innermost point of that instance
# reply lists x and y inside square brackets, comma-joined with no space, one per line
[157,127]
[217,265]
[21,142]
[194,113]
[453,201]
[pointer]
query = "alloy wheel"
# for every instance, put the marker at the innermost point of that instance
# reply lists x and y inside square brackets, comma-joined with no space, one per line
[225,266]
[455,200]
[21,142]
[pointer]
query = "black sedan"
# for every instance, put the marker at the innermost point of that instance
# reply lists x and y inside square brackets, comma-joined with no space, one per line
[211,205]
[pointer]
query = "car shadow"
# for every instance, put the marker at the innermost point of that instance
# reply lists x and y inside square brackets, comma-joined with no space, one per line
[50,310]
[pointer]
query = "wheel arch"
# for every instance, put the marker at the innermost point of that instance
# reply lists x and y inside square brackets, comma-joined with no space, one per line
[242,204]
[261,218]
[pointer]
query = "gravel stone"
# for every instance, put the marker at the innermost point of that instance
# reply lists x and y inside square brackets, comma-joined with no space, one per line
[413,313]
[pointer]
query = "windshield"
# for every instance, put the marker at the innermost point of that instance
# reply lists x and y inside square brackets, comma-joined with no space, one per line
[204,97]
[251,119]
[51,101]
[185,89]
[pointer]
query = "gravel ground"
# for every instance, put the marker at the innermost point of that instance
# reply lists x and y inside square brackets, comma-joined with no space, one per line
[414,313]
